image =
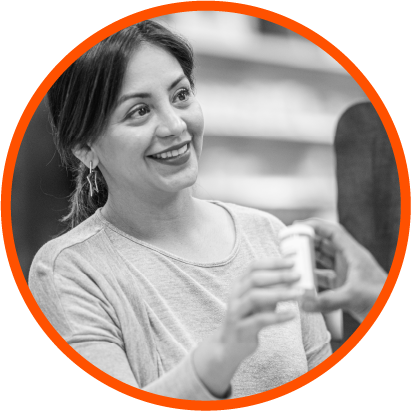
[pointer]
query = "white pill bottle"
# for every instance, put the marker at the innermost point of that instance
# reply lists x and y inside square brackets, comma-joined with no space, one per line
[297,244]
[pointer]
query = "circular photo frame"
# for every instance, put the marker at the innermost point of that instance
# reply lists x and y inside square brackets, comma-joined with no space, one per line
[280,21]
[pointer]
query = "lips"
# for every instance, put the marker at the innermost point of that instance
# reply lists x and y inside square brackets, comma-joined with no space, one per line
[173,160]
[172,152]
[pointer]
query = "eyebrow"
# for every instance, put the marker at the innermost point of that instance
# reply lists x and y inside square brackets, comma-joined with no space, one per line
[126,97]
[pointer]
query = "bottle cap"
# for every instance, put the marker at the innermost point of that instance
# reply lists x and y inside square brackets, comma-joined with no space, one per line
[296,229]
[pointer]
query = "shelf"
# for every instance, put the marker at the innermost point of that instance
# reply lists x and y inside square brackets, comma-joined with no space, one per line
[313,128]
[270,50]
[270,86]
[286,110]
[235,37]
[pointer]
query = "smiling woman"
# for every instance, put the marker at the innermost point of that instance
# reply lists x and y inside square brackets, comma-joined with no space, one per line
[182,297]
[99,88]
[156,116]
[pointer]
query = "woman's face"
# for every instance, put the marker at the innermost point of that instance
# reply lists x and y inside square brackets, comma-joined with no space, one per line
[154,136]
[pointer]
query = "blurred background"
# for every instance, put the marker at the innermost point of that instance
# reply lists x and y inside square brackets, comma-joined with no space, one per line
[271,100]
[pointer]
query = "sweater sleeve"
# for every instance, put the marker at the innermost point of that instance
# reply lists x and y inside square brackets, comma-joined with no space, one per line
[316,338]
[181,382]
[81,312]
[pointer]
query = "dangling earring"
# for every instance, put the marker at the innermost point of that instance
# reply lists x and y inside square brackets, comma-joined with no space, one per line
[90,180]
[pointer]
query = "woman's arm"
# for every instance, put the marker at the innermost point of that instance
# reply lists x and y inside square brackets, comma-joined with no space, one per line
[180,382]
[316,338]
[82,313]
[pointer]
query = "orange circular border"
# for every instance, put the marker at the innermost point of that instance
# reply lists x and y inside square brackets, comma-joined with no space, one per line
[233,8]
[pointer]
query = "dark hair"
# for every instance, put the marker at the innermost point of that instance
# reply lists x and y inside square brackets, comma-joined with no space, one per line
[82,99]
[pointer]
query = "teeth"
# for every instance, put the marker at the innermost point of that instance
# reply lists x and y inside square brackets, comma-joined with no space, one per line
[173,153]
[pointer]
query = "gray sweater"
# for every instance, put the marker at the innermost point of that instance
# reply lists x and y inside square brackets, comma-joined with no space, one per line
[137,312]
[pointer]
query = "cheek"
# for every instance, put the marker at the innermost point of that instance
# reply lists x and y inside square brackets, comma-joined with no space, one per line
[196,121]
[120,148]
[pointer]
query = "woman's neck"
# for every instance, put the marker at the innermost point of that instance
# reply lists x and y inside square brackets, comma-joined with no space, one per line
[170,215]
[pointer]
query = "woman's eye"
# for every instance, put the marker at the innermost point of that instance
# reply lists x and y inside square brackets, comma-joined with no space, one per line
[138,112]
[182,95]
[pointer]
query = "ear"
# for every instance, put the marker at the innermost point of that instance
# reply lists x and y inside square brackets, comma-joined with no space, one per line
[86,155]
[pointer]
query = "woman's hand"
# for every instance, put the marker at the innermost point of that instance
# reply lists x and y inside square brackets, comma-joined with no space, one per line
[252,307]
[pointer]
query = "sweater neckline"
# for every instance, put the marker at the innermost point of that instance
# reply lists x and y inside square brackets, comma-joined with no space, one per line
[144,244]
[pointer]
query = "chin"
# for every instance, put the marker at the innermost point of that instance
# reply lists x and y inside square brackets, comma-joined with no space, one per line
[180,183]
[175,188]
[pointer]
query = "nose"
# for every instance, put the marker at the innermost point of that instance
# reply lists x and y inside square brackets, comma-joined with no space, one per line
[170,123]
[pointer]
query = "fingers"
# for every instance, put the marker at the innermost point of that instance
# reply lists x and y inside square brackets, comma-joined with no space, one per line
[251,326]
[324,261]
[266,273]
[255,296]
[324,246]
[325,250]
[266,278]
[271,264]
[326,301]
[262,299]
[336,235]
[325,278]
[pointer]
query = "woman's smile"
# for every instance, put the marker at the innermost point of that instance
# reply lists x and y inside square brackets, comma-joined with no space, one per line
[174,156]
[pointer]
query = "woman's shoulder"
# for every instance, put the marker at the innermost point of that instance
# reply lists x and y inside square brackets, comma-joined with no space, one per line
[80,237]
[259,228]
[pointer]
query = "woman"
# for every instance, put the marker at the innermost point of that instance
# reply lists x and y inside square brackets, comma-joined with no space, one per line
[181,297]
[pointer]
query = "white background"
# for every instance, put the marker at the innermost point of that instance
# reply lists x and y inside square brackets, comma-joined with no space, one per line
[35,36]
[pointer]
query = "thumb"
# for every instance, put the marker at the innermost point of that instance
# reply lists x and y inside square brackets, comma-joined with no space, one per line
[326,301]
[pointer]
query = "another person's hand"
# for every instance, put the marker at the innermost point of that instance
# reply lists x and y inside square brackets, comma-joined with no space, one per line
[252,307]
[359,278]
